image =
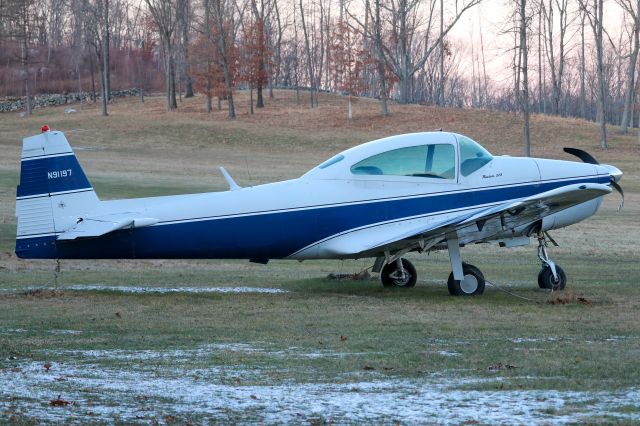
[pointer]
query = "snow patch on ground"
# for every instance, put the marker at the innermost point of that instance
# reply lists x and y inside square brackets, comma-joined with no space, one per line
[200,352]
[448,353]
[12,330]
[153,290]
[98,394]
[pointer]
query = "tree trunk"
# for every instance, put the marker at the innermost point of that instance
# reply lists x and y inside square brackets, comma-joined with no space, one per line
[209,108]
[308,48]
[259,98]
[222,50]
[380,63]
[172,68]
[251,99]
[105,58]
[25,72]
[525,79]
[540,62]
[167,78]
[602,94]
[185,46]
[440,101]
[583,100]
[106,52]
[627,114]
[93,79]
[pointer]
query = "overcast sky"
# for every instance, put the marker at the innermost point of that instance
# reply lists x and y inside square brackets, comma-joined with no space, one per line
[492,16]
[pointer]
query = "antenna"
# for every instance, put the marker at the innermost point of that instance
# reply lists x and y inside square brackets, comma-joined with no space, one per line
[246,163]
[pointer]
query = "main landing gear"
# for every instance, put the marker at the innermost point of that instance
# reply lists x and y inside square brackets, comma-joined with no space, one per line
[466,279]
[400,273]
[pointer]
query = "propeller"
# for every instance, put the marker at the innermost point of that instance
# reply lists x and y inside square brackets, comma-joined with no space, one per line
[588,158]
[619,189]
[583,155]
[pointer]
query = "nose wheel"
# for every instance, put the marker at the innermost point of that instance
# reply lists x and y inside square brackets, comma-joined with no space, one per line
[548,281]
[551,276]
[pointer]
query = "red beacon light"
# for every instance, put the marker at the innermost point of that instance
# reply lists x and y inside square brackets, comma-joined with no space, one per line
[45,128]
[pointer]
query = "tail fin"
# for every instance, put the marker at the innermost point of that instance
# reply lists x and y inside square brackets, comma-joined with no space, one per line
[52,194]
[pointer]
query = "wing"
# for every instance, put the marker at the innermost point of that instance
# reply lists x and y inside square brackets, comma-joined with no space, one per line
[100,225]
[482,225]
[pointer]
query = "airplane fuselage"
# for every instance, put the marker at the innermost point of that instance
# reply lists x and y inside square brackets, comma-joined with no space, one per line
[303,218]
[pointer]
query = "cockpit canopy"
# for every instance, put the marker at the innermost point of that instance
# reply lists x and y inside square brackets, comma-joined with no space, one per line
[433,155]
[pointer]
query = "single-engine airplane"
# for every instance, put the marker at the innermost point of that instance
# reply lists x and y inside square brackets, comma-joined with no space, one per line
[381,200]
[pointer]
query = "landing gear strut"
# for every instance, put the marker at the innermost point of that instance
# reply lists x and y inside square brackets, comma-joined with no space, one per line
[465,279]
[551,276]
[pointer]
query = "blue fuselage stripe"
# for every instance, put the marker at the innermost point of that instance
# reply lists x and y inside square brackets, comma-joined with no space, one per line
[270,235]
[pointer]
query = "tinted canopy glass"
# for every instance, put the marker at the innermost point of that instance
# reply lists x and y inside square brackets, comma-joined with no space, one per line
[433,161]
[472,156]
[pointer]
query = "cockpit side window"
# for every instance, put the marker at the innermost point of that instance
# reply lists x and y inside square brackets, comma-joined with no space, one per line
[472,156]
[432,161]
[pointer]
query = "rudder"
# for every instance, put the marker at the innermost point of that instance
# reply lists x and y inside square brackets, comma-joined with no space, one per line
[53,192]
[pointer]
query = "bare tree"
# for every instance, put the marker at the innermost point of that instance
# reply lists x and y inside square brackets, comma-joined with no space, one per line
[105,57]
[524,55]
[260,15]
[183,23]
[583,100]
[594,13]
[555,58]
[634,11]
[440,100]
[224,51]
[164,15]
[19,18]
[307,46]
[405,27]
[277,52]
[374,33]
[23,18]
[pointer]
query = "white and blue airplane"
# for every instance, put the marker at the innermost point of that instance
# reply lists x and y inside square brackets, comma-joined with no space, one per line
[381,200]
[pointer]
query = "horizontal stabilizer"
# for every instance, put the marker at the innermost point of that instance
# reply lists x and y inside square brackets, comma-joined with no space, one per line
[101,225]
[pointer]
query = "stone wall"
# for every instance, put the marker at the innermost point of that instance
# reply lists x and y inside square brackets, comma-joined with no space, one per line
[40,101]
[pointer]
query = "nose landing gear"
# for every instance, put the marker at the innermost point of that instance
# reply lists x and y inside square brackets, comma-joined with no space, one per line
[551,276]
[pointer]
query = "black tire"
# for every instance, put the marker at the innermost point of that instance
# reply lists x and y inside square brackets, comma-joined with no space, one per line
[388,279]
[546,281]
[473,284]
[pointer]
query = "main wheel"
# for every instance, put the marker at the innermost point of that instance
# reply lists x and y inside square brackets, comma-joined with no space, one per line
[546,280]
[391,276]
[471,285]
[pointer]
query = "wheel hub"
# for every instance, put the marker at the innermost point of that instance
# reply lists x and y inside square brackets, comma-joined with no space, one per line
[469,284]
[400,278]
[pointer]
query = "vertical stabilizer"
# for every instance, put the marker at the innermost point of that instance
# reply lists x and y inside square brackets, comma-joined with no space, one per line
[52,194]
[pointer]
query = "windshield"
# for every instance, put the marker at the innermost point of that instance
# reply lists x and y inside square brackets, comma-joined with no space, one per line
[472,156]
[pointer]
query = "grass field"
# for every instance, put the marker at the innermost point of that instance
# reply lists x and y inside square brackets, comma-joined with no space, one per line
[229,341]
